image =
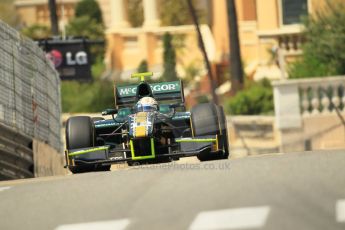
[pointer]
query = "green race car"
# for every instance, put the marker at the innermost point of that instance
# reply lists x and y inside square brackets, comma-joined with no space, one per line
[149,125]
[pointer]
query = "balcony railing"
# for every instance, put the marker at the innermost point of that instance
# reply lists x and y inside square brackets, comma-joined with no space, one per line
[322,96]
[294,99]
[290,40]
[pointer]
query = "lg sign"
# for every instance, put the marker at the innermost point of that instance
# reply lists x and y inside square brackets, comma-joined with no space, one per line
[80,58]
[70,57]
[55,57]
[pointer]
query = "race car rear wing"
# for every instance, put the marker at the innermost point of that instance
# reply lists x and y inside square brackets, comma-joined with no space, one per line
[165,91]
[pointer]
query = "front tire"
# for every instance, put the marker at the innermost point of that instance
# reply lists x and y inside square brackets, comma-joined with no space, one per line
[224,132]
[80,133]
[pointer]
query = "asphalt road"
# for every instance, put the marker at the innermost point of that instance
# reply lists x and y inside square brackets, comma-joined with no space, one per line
[291,191]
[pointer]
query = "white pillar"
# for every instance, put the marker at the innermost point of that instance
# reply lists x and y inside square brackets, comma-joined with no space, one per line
[118,14]
[151,18]
[287,105]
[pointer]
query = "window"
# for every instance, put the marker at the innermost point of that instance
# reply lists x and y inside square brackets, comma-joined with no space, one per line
[249,10]
[293,10]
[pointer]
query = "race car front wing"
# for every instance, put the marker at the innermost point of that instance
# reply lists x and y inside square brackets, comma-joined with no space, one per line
[104,155]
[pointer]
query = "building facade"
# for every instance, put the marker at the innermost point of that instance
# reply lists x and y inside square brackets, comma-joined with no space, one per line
[270,34]
[32,12]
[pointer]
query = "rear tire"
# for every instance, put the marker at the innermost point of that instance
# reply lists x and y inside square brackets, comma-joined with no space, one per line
[224,132]
[205,121]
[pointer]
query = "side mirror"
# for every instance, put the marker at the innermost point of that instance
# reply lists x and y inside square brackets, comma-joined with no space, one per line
[109,112]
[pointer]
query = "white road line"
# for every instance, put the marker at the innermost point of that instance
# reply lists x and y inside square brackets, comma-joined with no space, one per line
[340,210]
[4,188]
[239,218]
[100,225]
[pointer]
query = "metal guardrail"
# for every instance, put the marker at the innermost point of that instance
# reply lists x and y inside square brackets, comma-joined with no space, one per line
[30,104]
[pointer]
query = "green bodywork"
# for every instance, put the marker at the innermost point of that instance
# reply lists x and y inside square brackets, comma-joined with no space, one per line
[157,88]
[122,117]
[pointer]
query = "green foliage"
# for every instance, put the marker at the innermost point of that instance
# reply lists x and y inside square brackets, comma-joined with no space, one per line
[143,67]
[310,66]
[87,27]
[83,97]
[89,8]
[256,98]
[324,51]
[37,31]
[87,97]
[135,12]
[98,95]
[169,58]
[88,23]
[98,68]
[176,12]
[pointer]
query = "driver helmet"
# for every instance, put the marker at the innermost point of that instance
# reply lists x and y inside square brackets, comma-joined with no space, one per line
[147,104]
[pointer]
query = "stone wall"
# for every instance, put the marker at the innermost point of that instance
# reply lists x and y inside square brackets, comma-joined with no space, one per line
[252,135]
[47,161]
[316,133]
